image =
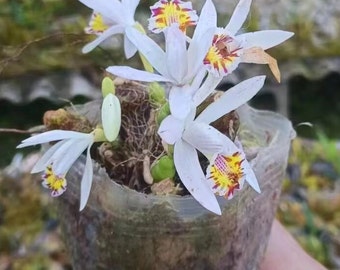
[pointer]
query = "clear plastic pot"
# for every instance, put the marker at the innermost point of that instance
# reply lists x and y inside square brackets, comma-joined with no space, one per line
[123,229]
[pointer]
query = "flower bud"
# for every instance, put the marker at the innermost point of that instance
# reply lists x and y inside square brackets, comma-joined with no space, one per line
[163,168]
[163,112]
[108,87]
[157,94]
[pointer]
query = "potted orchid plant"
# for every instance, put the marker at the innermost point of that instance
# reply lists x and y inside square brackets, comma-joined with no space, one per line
[176,175]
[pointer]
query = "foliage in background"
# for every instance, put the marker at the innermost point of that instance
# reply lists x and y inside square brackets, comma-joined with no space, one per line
[310,202]
[45,35]
[328,149]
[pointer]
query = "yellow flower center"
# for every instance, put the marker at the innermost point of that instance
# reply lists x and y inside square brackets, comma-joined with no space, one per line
[226,173]
[166,13]
[54,182]
[222,54]
[96,24]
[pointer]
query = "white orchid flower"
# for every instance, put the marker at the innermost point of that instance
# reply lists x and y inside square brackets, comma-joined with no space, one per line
[166,13]
[229,49]
[111,17]
[228,167]
[180,66]
[58,159]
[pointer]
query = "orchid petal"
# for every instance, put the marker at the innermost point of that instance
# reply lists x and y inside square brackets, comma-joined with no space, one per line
[110,9]
[58,155]
[171,129]
[45,160]
[61,152]
[257,55]
[135,74]
[189,170]
[198,50]
[50,136]
[197,80]
[239,16]
[176,53]
[206,89]
[191,116]
[251,177]
[116,29]
[207,19]
[129,48]
[204,138]
[65,161]
[130,6]
[86,181]
[239,94]
[264,39]
[180,101]
[202,37]
[152,52]
[111,117]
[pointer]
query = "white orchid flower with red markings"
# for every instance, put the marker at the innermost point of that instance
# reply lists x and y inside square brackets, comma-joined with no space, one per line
[58,159]
[180,66]
[228,167]
[110,18]
[229,49]
[228,170]
[165,13]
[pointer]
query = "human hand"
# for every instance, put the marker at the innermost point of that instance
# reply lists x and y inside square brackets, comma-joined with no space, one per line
[284,253]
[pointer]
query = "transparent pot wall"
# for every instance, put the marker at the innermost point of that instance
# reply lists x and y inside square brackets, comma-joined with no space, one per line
[123,229]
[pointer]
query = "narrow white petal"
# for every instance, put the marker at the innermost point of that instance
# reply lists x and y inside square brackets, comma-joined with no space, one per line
[208,86]
[264,39]
[232,99]
[65,161]
[130,5]
[45,160]
[204,138]
[171,129]
[202,37]
[198,79]
[50,136]
[251,177]
[180,101]
[192,177]
[135,74]
[207,19]
[129,48]
[113,30]
[111,117]
[61,152]
[176,53]
[152,52]
[112,9]
[86,181]
[197,51]
[239,16]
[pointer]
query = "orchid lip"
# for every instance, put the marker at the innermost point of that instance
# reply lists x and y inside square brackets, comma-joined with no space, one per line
[165,14]
[223,55]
